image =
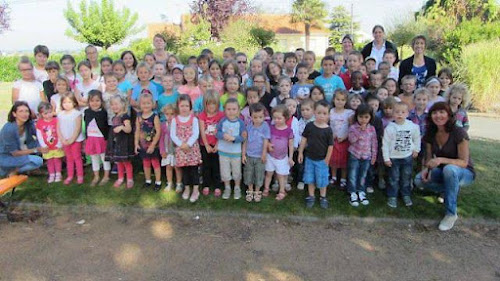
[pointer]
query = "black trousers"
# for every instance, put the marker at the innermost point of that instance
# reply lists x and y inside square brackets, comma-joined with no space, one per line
[210,168]
[190,175]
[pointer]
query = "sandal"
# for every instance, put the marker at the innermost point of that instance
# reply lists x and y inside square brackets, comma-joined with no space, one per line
[94,181]
[343,185]
[206,191]
[280,196]
[118,183]
[130,183]
[249,196]
[257,196]
[104,181]
[265,193]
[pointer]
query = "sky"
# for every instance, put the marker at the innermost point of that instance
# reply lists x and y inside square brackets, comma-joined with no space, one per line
[42,22]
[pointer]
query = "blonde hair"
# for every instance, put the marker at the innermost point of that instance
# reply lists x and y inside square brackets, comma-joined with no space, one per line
[210,97]
[143,65]
[421,91]
[121,100]
[170,106]
[459,88]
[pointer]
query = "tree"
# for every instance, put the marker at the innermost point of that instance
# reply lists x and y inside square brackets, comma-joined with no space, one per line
[461,10]
[310,13]
[262,36]
[4,17]
[340,25]
[218,13]
[100,25]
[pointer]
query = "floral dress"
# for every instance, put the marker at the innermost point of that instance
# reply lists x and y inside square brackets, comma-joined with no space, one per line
[146,136]
[184,132]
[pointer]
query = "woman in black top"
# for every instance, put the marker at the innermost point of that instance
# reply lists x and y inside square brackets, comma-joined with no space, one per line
[447,163]
[378,42]
[419,65]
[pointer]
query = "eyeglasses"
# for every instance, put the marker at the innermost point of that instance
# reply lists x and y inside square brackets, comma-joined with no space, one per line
[259,81]
[242,62]
[26,69]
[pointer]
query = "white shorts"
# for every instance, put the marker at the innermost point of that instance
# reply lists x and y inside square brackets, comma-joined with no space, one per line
[169,161]
[280,166]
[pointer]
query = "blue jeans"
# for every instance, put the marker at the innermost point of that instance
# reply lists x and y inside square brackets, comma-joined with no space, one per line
[357,170]
[447,180]
[400,177]
[35,162]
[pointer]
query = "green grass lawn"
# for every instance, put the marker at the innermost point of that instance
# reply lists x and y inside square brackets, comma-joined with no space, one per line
[478,200]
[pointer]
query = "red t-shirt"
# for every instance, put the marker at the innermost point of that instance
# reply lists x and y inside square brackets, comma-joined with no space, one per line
[210,126]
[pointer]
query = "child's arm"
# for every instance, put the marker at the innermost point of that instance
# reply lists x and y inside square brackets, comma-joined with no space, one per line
[63,140]
[156,138]
[204,136]
[127,127]
[302,146]
[15,95]
[242,134]
[329,154]
[137,134]
[54,106]
[39,137]
[173,135]
[417,140]
[42,96]
[374,146]
[163,149]
[195,133]
[76,133]
[290,152]
[244,152]
[466,123]
[386,146]
[264,150]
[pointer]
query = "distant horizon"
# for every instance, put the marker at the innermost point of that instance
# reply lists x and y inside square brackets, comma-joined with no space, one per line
[23,36]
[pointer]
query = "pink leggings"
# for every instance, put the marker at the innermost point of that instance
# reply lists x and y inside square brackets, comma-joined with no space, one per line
[74,158]
[148,162]
[125,167]
[54,165]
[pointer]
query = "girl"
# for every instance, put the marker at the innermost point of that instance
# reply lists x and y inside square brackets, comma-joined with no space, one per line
[120,141]
[339,122]
[69,129]
[230,67]
[256,66]
[215,73]
[184,133]
[87,84]
[458,98]
[46,133]
[388,105]
[62,88]
[381,93]
[273,72]
[167,150]
[446,78]
[206,83]
[392,87]
[111,82]
[120,70]
[68,66]
[317,93]
[144,73]
[190,84]
[172,61]
[158,72]
[178,76]
[106,67]
[309,60]
[149,58]
[96,132]
[169,96]
[280,146]
[434,86]
[259,81]
[147,135]
[27,88]
[354,101]
[253,97]
[209,119]
[362,153]
[285,86]
[130,63]
[232,86]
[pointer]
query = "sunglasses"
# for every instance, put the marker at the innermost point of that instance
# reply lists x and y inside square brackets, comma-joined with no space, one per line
[242,62]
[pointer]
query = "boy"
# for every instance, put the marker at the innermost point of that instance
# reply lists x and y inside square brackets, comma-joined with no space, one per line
[169,95]
[309,60]
[401,143]
[370,63]
[353,64]
[328,81]
[330,51]
[301,90]
[384,68]
[299,52]
[339,63]
[254,152]
[317,143]
[41,53]
[357,84]
[52,69]
[192,61]
[290,64]
[307,116]
[202,63]
[418,116]
[229,53]
[408,85]
[375,80]
[230,133]
[390,57]
[209,53]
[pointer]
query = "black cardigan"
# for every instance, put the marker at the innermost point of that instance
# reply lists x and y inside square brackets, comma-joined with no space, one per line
[406,65]
[101,118]
[367,49]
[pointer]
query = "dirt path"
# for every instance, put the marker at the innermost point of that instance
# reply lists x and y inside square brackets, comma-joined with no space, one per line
[148,247]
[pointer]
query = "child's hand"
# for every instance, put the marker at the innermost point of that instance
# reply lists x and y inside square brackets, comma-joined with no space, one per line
[228,137]
[340,139]
[185,147]
[164,155]
[300,158]
[290,161]
[150,149]
[43,149]
[118,129]
[270,147]
[373,161]
[388,163]
[426,175]
[415,154]
[215,148]
[243,159]
[137,148]
[264,158]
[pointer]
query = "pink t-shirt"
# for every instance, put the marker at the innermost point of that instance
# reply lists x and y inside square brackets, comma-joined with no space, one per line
[192,92]
[210,126]
[279,140]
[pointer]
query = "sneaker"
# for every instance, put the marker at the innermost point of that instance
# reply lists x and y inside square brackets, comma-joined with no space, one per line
[448,222]
[194,196]
[185,194]
[381,184]
[407,200]
[114,170]
[354,199]
[178,187]
[157,187]
[227,193]
[130,184]
[147,185]
[300,186]
[333,181]
[58,177]
[168,187]
[362,198]
[369,189]
[275,187]
[323,202]
[51,178]
[79,180]
[206,191]
[217,192]
[237,193]
[441,199]
[392,202]
[68,181]
[343,185]
[310,201]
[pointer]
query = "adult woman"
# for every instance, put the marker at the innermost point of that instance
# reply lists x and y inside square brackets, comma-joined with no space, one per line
[130,61]
[447,163]
[419,65]
[377,47]
[17,142]
[159,53]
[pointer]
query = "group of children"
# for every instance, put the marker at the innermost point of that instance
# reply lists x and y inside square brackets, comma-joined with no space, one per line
[275,122]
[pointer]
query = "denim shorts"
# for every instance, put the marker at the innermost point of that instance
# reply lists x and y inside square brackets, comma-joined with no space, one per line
[316,172]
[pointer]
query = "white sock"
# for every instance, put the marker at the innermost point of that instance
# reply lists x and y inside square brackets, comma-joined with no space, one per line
[148,181]
[158,182]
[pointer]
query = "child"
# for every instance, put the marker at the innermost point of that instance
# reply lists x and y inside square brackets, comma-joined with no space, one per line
[363,150]
[280,146]
[357,83]
[230,133]
[381,93]
[215,72]
[384,68]
[353,64]
[209,118]
[274,73]
[228,53]
[339,123]
[301,90]
[61,88]
[434,86]
[87,84]
[69,129]
[253,97]
[68,66]
[458,98]
[259,81]
[387,109]
[299,52]
[41,53]
[353,101]
[418,115]
[111,82]
[390,57]
[446,78]
[375,79]
[178,74]
[254,152]
[143,73]
[106,68]
[256,66]
[147,135]
[96,133]
[317,143]
[46,133]
[120,70]
[392,87]
[120,141]
[202,62]
[400,145]
[310,60]
[232,86]
[290,62]
[371,64]
[408,86]
[317,93]
[130,65]
[328,81]
[172,61]
[52,69]
[307,116]
[27,88]
[293,123]
[192,63]
[285,85]
[190,84]
[167,150]
[373,178]
[230,67]
[169,95]
[150,60]
[184,132]
[339,62]
[158,72]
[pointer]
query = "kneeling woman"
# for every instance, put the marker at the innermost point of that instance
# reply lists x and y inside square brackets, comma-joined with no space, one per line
[18,142]
[447,164]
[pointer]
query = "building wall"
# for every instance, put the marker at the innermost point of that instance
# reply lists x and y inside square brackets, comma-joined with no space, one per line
[289,42]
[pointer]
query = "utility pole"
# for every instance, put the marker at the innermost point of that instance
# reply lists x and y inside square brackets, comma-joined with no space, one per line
[352,16]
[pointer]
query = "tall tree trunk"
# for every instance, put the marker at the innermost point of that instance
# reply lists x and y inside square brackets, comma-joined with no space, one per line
[308,34]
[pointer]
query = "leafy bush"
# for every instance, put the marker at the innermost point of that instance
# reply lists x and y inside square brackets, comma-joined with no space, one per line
[262,36]
[479,68]
[140,47]
[8,68]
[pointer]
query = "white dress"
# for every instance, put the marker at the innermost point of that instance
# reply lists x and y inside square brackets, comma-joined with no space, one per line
[29,91]
[68,125]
